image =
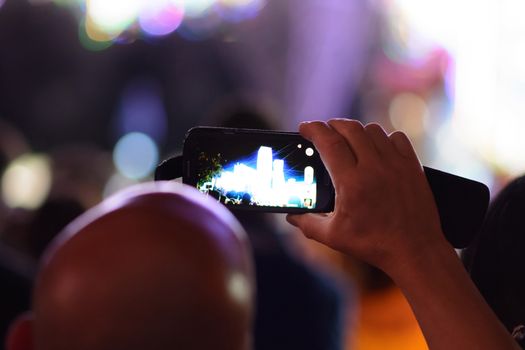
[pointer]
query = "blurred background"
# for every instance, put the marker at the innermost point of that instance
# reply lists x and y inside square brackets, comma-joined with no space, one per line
[94,93]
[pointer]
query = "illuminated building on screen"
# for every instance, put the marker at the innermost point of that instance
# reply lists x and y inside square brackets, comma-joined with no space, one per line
[263,191]
[266,184]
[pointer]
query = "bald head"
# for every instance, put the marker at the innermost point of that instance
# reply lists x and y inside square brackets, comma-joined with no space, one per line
[157,267]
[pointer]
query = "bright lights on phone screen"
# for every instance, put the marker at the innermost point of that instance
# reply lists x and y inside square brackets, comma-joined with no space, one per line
[264,175]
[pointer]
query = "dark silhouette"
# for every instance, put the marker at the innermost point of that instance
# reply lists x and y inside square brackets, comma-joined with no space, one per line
[496,258]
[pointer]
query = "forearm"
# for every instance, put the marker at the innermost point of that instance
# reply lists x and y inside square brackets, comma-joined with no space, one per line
[450,310]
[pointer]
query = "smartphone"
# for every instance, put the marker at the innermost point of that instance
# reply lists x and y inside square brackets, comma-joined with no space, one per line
[282,172]
[257,170]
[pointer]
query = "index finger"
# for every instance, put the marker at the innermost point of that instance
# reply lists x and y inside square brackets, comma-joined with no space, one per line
[332,147]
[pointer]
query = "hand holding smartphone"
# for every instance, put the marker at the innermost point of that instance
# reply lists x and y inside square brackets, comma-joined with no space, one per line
[282,172]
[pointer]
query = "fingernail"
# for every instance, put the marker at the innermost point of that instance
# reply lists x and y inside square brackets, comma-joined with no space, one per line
[291,219]
[402,143]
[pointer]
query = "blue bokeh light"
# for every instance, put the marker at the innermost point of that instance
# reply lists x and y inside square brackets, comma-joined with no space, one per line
[136,155]
[142,110]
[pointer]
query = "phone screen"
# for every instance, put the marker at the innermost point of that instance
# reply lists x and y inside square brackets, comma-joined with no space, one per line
[257,169]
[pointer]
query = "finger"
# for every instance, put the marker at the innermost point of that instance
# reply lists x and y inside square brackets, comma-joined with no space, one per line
[332,147]
[355,135]
[380,139]
[313,226]
[403,146]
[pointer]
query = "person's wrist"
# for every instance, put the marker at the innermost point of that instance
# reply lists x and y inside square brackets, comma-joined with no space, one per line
[419,258]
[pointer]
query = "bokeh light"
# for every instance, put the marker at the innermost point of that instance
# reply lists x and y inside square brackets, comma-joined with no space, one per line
[238,10]
[161,17]
[490,99]
[454,155]
[486,40]
[433,21]
[408,112]
[113,16]
[200,28]
[239,288]
[96,33]
[141,109]
[27,181]
[109,21]
[91,38]
[136,155]
[198,8]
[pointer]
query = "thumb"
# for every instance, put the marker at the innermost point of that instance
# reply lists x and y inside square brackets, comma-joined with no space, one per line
[313,226]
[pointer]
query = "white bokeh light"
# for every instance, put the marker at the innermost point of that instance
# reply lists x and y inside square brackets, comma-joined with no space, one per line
[486,39]
[113,16]
[27,181]
[239,288]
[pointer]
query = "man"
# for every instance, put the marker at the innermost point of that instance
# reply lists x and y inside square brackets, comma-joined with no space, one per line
[156,267]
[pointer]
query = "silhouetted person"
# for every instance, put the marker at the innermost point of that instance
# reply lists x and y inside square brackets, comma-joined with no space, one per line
[159,266]
[48,221]
[298,306]
[496,258]
[16,277]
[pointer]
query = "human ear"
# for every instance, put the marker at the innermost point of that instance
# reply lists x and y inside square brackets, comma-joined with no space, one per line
[20,335]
